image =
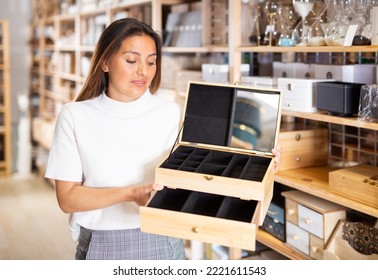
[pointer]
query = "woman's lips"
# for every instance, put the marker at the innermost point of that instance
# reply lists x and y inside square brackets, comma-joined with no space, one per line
[139,83]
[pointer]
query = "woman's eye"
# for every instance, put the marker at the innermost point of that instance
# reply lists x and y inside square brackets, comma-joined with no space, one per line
[131,61]
[151,63]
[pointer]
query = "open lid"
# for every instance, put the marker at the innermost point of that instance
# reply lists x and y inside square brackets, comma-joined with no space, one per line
[237,117]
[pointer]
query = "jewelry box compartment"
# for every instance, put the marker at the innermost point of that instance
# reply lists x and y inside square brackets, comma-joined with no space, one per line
[218,163]
[248,177]
[205,217]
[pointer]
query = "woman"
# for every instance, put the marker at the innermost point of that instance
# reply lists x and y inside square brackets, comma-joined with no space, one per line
[107,143]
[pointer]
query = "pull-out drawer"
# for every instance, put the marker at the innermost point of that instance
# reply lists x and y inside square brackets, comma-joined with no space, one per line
[310,220]
[299,147]
[248,177]
[210,218]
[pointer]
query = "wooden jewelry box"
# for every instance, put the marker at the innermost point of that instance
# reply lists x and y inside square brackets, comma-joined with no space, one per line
[219,176]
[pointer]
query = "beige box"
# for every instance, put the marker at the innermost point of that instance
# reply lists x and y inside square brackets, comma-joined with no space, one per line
[310,222]
[359,183]
[218,185]
[299,145]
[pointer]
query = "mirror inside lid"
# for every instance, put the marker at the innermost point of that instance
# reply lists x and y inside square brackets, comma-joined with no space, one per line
[232,116]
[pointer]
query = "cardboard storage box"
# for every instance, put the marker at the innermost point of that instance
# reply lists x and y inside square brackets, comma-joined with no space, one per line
[219,176]
[299,94]
[359,183]
[299,147]
[310,222]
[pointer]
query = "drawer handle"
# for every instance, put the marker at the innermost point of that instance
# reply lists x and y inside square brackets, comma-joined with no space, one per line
[208,178]
[298,158]
[298,136]
[308,221]
[291,211]
[289,87]
[195,229]
[296,237]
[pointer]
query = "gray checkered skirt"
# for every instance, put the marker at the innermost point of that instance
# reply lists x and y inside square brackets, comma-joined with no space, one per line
[131,244]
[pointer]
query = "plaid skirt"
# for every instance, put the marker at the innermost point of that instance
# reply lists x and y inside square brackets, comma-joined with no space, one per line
[131,244]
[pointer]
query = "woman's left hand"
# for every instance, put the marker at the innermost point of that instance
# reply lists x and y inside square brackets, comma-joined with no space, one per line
[277,157]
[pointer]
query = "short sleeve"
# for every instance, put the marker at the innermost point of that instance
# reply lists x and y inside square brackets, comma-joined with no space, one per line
[64,161]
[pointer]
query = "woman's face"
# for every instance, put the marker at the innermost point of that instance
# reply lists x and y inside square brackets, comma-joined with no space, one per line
[132,68]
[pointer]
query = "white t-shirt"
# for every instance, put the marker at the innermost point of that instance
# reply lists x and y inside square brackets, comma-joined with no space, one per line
[105,143]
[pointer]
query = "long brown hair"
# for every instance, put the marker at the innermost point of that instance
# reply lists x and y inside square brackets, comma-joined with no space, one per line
[108,44]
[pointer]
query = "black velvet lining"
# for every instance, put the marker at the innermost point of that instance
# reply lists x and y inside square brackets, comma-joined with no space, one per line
[205,204]
[209,114]
[211,162]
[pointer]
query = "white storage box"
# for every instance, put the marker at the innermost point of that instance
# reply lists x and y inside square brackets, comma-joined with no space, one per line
[268,82]
[357,73]
[299,94]
[218,73]
[293,70]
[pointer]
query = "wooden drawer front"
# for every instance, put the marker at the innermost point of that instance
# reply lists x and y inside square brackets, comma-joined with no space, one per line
[310,220]
[205,217]
[225,173]
[316,247]
[299,147]
[297,237]
[291,209]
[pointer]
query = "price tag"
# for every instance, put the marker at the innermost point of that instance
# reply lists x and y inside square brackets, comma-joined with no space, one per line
[350,35]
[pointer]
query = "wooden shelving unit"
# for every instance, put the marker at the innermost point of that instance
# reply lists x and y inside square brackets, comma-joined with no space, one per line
[5,106]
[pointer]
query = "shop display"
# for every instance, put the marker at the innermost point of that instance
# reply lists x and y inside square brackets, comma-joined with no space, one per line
[303,8]
[288,18]
[299,146]
[315,34]
[337,29]
[299,94]
[271,36]
[310,222]
[351,73]
[338,98]
[359,183]
[352,241]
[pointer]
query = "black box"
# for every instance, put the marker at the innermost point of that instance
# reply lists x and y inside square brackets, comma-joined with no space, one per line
[274,222]
[338,98]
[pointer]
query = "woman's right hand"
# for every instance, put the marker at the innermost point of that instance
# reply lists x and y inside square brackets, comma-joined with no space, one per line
[143,193]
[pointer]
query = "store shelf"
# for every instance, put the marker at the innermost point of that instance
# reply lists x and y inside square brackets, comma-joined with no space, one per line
[313,49]
[324,117]
[268,240]
[314,180]
[204,49]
